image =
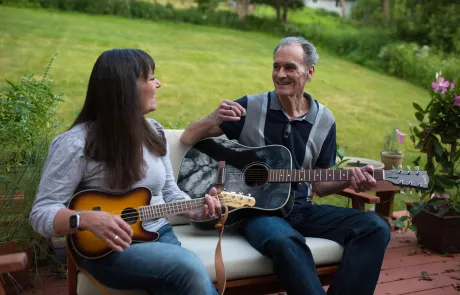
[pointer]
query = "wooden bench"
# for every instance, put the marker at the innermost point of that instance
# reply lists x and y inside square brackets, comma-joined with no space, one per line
[252,276]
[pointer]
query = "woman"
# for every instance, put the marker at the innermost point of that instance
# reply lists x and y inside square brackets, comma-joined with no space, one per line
[112,147]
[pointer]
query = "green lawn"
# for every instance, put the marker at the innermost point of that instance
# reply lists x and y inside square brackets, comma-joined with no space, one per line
[199,66]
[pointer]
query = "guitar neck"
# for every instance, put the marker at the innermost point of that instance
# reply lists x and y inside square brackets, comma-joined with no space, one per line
[316,175]
[173,208]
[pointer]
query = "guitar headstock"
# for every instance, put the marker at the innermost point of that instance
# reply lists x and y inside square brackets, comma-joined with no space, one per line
[410,178]
[232,199]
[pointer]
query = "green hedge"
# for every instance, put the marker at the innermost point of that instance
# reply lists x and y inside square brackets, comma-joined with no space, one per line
[373,48]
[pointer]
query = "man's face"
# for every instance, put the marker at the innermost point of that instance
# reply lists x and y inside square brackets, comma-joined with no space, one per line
[289,70]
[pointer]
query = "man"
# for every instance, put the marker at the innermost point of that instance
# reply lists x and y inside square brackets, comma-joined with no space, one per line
[291,117]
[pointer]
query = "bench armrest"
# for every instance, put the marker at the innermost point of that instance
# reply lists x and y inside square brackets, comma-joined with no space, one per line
[366,198]
[358,200]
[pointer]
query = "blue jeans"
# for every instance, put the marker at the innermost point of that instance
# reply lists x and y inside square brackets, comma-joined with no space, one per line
[161,267]
[364,236]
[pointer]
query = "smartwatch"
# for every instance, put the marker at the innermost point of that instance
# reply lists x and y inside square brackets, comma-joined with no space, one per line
[74,221]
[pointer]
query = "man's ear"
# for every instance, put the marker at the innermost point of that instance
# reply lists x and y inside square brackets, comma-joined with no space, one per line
[310,72]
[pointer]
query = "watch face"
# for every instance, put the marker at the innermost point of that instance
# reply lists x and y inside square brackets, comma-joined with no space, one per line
[73,221]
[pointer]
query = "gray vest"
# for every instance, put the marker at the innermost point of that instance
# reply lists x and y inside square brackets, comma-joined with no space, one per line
[252,133]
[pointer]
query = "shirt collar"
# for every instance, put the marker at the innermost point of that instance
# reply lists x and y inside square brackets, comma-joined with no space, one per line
[309,117]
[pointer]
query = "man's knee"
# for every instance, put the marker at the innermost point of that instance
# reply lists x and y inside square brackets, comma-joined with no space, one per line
[379,227]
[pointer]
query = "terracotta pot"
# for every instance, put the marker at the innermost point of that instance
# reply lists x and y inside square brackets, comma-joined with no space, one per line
[20,277]
[390,160]
[438,233]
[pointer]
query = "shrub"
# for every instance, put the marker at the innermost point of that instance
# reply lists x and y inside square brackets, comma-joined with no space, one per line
[375,48]
[27,113]
[28,122]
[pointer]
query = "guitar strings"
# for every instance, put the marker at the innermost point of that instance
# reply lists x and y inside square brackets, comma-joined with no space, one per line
[136,213]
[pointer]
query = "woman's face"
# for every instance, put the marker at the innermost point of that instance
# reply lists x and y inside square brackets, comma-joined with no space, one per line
[148,92]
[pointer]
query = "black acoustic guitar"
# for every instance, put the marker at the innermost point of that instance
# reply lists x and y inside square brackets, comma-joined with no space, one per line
[265,173]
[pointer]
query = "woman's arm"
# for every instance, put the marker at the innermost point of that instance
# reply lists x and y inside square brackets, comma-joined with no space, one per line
[62,173]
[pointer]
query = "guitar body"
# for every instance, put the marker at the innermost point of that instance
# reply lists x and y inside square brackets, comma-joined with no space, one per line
[245,171]
[85,243]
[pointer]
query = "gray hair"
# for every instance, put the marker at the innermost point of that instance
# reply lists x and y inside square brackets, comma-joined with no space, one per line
[311,55]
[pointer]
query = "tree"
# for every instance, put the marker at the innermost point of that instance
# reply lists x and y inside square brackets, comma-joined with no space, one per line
[282,7]
[242,7]
[385,4]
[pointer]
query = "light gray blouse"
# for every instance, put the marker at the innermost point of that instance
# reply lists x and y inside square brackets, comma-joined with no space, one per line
[67,171]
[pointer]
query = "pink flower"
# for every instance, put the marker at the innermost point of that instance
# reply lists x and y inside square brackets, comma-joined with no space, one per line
[457,101]
[400,136]
[440,85]
[452,85]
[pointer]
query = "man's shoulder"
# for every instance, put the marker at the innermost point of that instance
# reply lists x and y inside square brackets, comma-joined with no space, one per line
[325,110]
[261,95]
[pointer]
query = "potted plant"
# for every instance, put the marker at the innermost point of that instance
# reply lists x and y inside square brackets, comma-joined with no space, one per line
[28,122]
[436,217]
[391,155]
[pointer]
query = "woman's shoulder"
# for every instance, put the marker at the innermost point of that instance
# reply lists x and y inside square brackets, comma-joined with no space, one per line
[160,130]
[71,141]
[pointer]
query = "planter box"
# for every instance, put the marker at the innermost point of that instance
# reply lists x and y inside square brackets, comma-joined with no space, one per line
[14,203]
[438,233]
[20,277]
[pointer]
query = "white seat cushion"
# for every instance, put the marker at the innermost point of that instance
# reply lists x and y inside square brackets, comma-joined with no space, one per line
[240,259]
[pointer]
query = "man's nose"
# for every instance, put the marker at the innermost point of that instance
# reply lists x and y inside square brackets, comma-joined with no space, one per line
[281,73]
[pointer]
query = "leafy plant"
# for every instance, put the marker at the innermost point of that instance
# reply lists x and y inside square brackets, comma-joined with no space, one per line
[437,136]
[28,122]
[26,112]
[341,155]
[390,142]
[207,5]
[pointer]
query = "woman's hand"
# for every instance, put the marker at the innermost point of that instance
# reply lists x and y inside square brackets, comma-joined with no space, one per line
[107,227]
[211,210]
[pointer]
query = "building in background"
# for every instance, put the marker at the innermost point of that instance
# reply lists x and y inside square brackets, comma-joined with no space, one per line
[332,5]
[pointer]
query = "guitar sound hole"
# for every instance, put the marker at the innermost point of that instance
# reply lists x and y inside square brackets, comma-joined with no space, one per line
[256,176]
[130,215]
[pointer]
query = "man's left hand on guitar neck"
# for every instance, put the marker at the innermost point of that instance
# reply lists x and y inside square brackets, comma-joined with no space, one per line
[361,181]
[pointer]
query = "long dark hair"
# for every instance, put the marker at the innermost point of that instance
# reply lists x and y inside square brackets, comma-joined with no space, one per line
[117,128]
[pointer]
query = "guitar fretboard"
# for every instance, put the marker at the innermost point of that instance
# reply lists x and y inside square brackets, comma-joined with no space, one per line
[162,210]
[311,175]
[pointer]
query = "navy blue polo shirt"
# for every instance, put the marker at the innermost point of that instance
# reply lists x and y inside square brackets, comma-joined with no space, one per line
[293,134]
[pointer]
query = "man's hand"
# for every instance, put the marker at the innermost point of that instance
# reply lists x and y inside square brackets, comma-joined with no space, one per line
[362,179]
[228,111]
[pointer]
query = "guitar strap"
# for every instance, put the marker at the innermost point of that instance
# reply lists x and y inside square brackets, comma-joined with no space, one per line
[221,279]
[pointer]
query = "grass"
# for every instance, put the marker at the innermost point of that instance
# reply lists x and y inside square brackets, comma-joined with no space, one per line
[199,66]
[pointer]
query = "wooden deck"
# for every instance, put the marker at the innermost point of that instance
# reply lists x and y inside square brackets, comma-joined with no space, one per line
[407,269]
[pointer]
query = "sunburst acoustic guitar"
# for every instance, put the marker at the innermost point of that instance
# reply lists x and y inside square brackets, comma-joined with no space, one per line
[134,208]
